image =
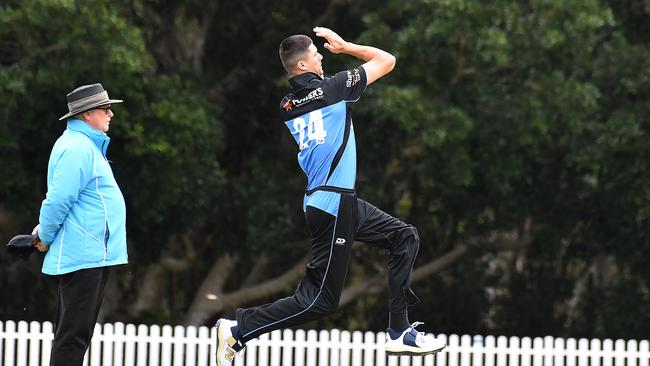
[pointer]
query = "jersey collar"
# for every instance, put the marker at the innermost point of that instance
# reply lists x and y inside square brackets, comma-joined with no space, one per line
[300,81]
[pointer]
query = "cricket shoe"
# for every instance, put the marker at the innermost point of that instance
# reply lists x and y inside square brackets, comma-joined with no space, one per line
[412,343]
[227,344]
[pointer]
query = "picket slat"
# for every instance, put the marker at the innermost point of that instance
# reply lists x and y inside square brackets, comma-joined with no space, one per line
[204,347]
[178,345]
[571,352]
[312,348]
[323,352]
[107,342]
[334,347]
[166,346]
[263,350]
[299,337]
[357,347]
[34,344]
[29,344]
[129,346]
[10,343]
[21,349]
[369,347]
[118,347]
[644,348]
[287,348]
[190,348]
[276,347]
[48,335]
[154,345]
[381,351]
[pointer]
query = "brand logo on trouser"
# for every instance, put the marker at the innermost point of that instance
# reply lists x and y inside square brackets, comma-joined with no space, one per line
[230,352]
[339,241]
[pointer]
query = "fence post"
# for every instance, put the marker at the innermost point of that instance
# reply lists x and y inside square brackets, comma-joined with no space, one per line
[571,347]
[10,343]
[118,346]
[513,351]
[559,350]
[181,345]
[644,356]
[288,346]
[608,352]
[478,349]
[323,348]
[502,351]
[106,342]
[142,344]
[35,336]
[129,345]
[190,348]
[312,347]
[48,335]
[212,346]
[276,347]
[548,350]
[166,346]
[619,352]
[632,353]
[335,347]
[369,346]
[596,352]
[251,352]
[345,347]
[204,347]
[263,350]
[3,337]
[94,350]
[357,348]
[21,349]
[300,345]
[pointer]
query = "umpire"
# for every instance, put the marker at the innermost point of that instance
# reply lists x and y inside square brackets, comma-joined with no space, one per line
[82,222]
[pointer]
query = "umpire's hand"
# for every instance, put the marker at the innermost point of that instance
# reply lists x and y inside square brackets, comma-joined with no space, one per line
[39,246]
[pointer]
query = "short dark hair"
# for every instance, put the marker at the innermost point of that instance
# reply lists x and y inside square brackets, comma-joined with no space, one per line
[292,49]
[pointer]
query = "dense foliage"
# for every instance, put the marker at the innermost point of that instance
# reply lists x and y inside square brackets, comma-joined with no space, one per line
[517,130]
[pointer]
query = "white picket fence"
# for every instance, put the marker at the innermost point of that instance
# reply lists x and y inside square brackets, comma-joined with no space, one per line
[28,344]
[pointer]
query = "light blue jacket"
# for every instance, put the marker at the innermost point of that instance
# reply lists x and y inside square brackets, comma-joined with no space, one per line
[83,217]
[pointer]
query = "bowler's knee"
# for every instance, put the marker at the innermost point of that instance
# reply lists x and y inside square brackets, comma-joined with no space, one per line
[408,240]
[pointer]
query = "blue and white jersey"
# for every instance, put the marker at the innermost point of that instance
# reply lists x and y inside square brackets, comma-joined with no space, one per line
[317,112]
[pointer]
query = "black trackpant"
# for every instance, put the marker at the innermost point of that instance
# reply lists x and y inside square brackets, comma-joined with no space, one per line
[320,290]
[80,296]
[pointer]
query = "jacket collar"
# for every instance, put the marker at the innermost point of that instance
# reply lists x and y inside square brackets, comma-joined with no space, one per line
[99,138]
[300,81]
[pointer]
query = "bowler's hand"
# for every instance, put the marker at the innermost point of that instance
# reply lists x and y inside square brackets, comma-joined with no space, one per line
[37,243]
[335,43]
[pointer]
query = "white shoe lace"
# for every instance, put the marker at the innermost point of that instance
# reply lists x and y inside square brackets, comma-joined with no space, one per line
[420,336]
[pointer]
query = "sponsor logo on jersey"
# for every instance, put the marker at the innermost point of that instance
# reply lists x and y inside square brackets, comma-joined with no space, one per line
[313,95]
[287,106]
[353,78]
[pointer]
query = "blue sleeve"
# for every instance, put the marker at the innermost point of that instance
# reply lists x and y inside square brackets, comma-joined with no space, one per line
[69,172]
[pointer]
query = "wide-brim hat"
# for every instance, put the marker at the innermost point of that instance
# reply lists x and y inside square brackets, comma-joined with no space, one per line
[22,245]
[87,97]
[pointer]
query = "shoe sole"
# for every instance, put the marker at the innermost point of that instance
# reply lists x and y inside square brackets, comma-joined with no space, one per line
[412,353]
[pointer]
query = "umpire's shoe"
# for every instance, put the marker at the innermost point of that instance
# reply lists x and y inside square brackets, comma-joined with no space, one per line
[411,342]
[227,344]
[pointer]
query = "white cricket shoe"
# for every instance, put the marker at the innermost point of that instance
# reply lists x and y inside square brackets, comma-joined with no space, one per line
[227,344]
[411,342]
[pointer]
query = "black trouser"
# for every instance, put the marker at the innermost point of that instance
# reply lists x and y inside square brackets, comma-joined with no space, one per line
[320,290]
[80,296]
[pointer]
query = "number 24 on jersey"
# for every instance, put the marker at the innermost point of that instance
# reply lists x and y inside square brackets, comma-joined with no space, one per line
[312,130]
